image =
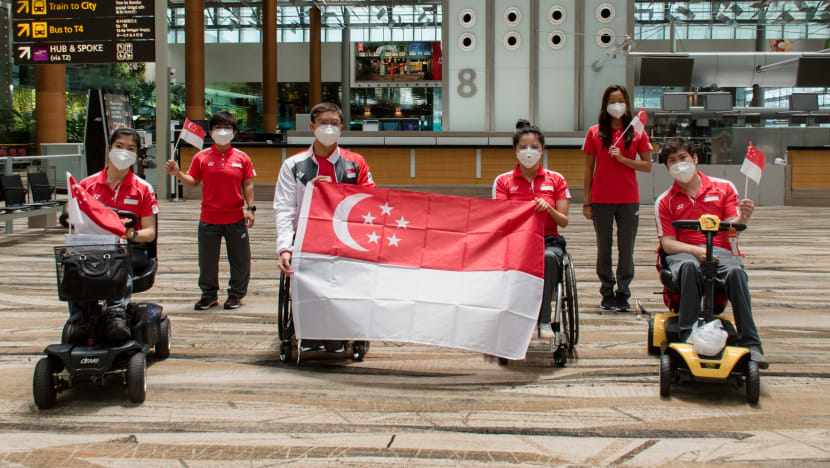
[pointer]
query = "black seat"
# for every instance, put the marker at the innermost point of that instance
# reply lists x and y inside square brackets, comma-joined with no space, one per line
[41,189]
[14,193]
[145,263]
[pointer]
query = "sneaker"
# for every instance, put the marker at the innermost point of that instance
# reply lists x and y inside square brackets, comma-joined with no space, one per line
[233,302]
[757,355]
[608,303]
[335,346]
[116,328]
[206,303]
[545,331]
[622,304]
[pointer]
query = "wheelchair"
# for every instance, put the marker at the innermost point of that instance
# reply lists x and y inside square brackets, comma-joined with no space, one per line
[565,315]
[66,365]
[678,359]
[290,344]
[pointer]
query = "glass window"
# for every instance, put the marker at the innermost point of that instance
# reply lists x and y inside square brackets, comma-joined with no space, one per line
[249,35]
[211,36]
[228,36]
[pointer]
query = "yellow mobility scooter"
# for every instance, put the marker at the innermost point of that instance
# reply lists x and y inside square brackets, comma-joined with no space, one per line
[679,360]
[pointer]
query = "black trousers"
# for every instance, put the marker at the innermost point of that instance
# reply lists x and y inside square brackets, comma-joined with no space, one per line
[238,248]
[554,252]
[627,217]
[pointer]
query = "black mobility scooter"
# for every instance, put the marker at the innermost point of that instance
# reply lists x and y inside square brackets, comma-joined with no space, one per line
[98,274]
[678,359]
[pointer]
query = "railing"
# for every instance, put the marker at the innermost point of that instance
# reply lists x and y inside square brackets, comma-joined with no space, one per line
[9,170]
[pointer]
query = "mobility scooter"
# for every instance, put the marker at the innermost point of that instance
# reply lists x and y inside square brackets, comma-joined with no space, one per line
[97,361]
[678,359]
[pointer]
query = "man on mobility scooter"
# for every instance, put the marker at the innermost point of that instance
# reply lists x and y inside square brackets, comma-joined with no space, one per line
[692,196]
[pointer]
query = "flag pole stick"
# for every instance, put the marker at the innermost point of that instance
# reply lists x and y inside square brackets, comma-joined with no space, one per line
[746,188]
[173,183]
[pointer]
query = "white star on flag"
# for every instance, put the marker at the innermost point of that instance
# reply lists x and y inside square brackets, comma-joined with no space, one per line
[393,240]
[368,218]
[373,238]
[402,222]
[386,209]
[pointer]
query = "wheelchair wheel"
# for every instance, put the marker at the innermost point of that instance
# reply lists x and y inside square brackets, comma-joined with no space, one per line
[65,333]
[359,350]
[285,351]
[43,384]
[654,350]
[162,348]
[560,356]
[753,383]
[285,323]
[571,304]
[137,377]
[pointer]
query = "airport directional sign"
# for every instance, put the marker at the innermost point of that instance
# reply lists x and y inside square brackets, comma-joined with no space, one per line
[83,31]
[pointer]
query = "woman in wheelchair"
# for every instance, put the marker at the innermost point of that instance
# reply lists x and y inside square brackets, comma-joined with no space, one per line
[549,191]
[117,187]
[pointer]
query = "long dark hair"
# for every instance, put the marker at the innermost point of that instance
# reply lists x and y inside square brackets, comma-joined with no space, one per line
[523,127]
[604,119]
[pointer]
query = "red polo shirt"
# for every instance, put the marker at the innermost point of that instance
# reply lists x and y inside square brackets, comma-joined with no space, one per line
[221,175]
[132,194]
[715,196]
[547,185]
[614,182]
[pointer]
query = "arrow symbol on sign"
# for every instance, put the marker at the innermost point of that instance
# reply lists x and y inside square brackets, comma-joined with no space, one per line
[23,29]
[23,6]
[25,52]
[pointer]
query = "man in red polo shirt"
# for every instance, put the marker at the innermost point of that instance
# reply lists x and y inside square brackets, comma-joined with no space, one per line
[228,177]
[694,194]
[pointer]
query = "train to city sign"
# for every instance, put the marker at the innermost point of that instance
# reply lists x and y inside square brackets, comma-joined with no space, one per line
[88,31]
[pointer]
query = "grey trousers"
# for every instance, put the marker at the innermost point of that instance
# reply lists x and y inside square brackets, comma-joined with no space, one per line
[685,270]
[553,268]
[238,248]
[627,217]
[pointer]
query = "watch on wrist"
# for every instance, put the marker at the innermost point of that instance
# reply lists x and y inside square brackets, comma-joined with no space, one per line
[251,208]
[135,234]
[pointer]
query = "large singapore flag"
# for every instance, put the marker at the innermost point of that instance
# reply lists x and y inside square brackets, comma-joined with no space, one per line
[378,264]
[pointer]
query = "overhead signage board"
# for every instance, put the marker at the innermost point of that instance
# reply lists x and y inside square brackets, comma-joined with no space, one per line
[83,31]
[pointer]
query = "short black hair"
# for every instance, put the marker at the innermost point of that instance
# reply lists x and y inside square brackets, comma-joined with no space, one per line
[222,118]
[125,131]
[673,145]
[325,107]
[523,127]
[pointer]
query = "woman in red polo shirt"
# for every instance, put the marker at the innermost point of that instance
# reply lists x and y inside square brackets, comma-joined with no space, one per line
[614,153]
[549,191]
[116,186]
[228,178]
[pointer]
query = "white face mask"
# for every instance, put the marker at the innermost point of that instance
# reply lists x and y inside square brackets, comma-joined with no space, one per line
[222,136]
[528,157]
[327,134]
[616,110]
[682,171]
[121,158]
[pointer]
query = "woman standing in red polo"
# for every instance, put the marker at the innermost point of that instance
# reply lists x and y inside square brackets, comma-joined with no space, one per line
[228,178]
[613,154]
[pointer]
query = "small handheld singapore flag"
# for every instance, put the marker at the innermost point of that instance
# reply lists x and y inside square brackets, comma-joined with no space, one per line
[753,166]
[379,264]
[193,134]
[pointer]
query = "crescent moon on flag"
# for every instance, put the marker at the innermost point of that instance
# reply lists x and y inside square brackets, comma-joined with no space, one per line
[339,220]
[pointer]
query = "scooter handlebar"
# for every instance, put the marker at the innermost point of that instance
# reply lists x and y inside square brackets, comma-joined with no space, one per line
[694,225]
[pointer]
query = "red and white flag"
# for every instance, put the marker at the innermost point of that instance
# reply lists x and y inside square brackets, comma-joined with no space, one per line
[193,134]
[639,122]
[753,166]
[88,215]
[380,264]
